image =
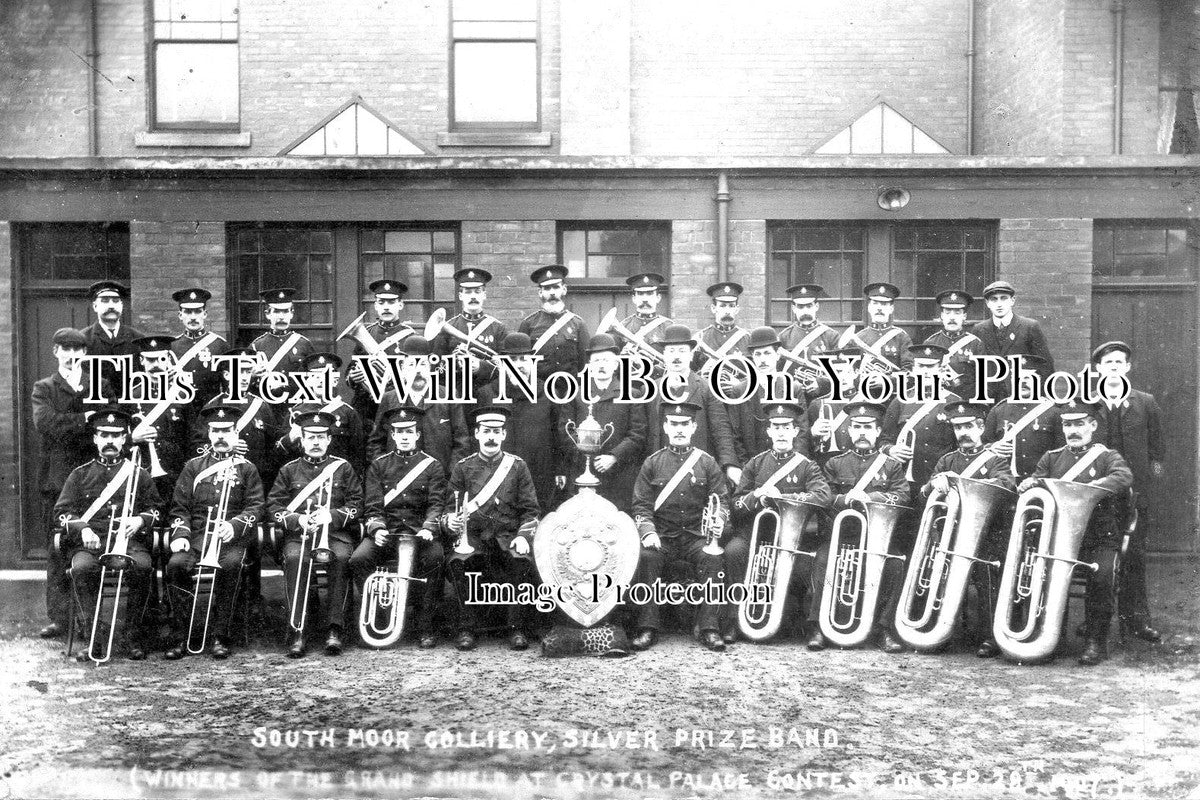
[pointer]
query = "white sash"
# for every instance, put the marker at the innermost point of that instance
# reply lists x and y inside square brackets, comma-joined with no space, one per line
[109,490]
[248,415]
[325,475]
[877,348]
[195,349]
[684,469]
[809,338]
[796,460]
[542,340]
[212,469]
[1088,459]
[961,343]
[283,350]
[1024,422]
[485,494]
[871,473]
[911,425]
[979,461]
[640,334]
[407,480]
[396,337]
[738,335]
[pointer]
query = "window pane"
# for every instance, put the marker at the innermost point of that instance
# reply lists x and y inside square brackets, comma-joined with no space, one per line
[938,272]
[819,239]
[76,252]
[937,239]
[196,83]
[902,273]
[444,242]
[1102,251]
[495,82]
[1177,255]
[574,252]
[1141,240]
[321,242]
[407,242]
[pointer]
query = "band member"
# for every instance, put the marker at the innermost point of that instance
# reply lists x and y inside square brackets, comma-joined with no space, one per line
[829,424]
[1021,428]
[807,338]
[161,431]
[881,339]
[348,440]
[780,470]
[961,345]
[559,336]
[865,474]
[972,460]
[670,502]
[536,429]
[475,324]
[84,510]
[645,323]
[1087,461]
[195,347]
[404,492]
[775,385]
[443,426]
[310,493]
[1006,334]
[724,336]
[280,349]
[714,434]
[496,510]
[197,496]
[388,331]
[1132,427]
[918,426]
[107,336]
[620,455]
[60,417]
[257,427]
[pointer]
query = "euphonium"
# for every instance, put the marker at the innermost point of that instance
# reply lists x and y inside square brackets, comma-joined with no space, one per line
[772,553]
[210,559]
[1043,549]
[385,596]
[710,526]
[855,571]
[935,583]
[115,557]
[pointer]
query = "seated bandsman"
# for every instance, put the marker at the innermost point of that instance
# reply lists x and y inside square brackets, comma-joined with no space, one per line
[914,430]
[280,349]
[958,368]
[972,460]
[197,495]
[404,491]
[781,471]
[724,337]
[670,498]
[311,492]
[348,440]
[91,494]
[195,347]
[646,324]
[387,331]
[1091,463]
[865,474]
[256,425]
[774,386]
[492,515]
[1022,427]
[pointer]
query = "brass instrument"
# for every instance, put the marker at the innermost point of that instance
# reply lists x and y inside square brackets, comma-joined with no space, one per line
[908,438]
[437,324]
[316,552]
[611,323]
[385,597]
[827,414]
[710,526]
[210,559]
[1012,459]
[115,557]
[714,358]
[772,555]
[953,525]
[855,571]
[1043,548]
[462,546]
[805,369]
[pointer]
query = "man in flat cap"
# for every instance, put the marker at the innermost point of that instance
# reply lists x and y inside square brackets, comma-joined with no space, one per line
[195,347]
[645,323]
[1007,334]
[961,345]
[724,337]
[670,498]
[1086,461]
[478,329]
[881,340]
[808,337]
[559,335]
[388,331]
[1133,428]
[348,441]
[280,349]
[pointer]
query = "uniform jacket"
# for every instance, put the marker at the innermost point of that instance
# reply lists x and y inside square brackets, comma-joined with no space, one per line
[1109,471]
[934,434]
[826,340]
[994,470]
[205,378]
[345,501]
[845,469]
[492,336]
[362,401]
[806,480]
[86,483]
[567,351]
[444,432]
[716,338]
[268,343]
[960,361]
[896,349]
[261,432]
[512,510]
[348,441]
[714,434]
[749,422]
[1044,433]
[682,512]
[417,508]
[536,434]
[192,501]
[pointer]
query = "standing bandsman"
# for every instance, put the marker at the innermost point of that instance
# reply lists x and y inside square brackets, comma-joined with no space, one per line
[256,429]
[84,510]
[915,429]
[300,481]
[1086,461]
[882,340]
[774,386]
[646,324]
[1021,428]
[807,337]
[280,349]
[829,423]
[195,347]
[972,460]
[197,496]
[404,492]
[107,336]
[475,324]
[724,336]
[1007,334]
[348,440]
[961,345]
[1132,427]
[494,508]
[670,498]
[388,332]
[865,474]
[161,430]
[559,336]
[780,470]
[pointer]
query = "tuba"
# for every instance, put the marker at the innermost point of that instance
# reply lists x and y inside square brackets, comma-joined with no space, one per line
[1043,549]
[115,557]
[773,542]
[855,571]
[953,526]
[385,596]
[210,560]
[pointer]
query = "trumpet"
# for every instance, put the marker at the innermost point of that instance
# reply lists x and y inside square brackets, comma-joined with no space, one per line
[318,552]
[854,575]
[953,525]
[462,546]
[437,324]
[711,527]
[827,415]
[610,323]
[1012,459]
[210,559]
[774,538]
[385,597]
[1043,548]
[115,557]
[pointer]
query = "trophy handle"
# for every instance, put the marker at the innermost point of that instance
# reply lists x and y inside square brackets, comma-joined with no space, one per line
[570,427]
[608,426]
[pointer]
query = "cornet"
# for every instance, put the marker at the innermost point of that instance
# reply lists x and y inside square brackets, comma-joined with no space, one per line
[385,596]
[827,415]
[462,546]
[115,557]
[715,359]
[710,526]
[210,559]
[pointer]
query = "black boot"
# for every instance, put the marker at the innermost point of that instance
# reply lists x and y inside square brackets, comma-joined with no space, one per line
[1094,652]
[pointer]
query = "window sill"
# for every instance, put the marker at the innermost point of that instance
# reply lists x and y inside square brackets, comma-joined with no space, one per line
[190,139]
[495,139]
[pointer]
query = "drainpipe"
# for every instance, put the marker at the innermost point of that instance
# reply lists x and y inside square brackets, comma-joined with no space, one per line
[92,54]
[970,77]
[723,199]
[1118,11]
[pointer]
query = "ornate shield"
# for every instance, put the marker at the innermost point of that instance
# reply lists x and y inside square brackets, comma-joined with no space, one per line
[588,548]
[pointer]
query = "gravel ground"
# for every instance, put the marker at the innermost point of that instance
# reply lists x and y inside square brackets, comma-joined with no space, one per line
[770,720]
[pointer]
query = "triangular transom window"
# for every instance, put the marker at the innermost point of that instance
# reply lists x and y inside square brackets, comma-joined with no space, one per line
[881,129]
[355,129]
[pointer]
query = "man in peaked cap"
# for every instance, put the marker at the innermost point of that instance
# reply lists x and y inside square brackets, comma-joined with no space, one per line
[388,331]
[1023,427]
[774,386]
[883,339]
[474,324]
[724,337]
[807,337]
[280,349]
[645,322]
[161,425]
[670,498]
[1007,334]
[1086,461]
[915,430]
[961,345]
[349,441]
[559,335]
[107,336]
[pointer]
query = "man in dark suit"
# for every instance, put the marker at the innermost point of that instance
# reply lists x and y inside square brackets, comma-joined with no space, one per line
[1132,427]
[1006,334]
[107,336]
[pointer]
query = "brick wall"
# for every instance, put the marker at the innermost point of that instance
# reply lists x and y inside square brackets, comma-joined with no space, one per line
[165,256]
[1050,263]
[9,504]
[510,250]
[748,266]
[595,77]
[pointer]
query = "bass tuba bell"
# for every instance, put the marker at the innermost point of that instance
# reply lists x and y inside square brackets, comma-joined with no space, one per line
[385,596]
[774,540]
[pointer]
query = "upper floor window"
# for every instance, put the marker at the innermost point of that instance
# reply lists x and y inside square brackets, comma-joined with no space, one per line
[195,64]
[881,129]
[495,80]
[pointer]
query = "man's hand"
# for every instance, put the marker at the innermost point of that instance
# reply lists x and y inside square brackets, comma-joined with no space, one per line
[768,492]
[241,447]
[604,463]
[939,483]
[456,522]
[857,496]
[294,433]
[821,429]
[718,527]
[224,532]
[90,540]
[144,433]
[651,541]
[131,525]
[734,474]
[1027,484]
[179,545]
[381,537]
[520,546]
[356,375]
[900,451]
[1003,448]
[425,535]
[318,517]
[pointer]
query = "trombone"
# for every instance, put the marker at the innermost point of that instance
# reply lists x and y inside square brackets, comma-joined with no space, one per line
[115,557]
[210,559]
[317,552]
[385,596]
